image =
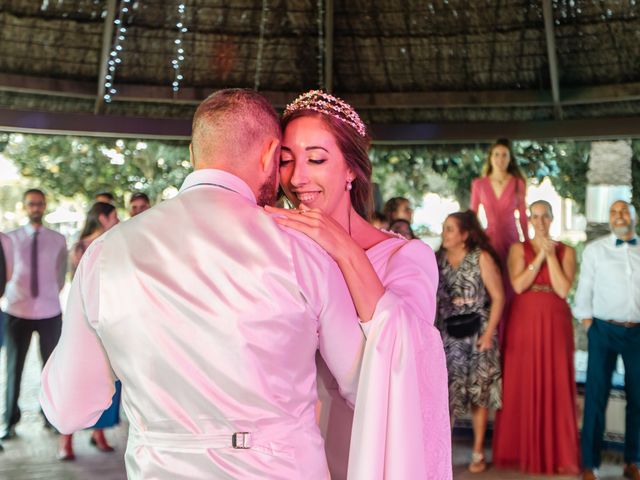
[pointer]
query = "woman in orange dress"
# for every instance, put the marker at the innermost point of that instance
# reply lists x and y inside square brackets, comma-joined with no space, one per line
[536,430]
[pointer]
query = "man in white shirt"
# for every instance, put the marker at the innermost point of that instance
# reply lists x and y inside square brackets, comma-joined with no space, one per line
[33,303]
[608,303]
[210,315]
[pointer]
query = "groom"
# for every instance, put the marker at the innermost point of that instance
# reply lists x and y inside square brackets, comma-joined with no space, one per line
[210,315]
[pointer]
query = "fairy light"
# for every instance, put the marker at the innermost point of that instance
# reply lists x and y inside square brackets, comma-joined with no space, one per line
[116,51]
[176,62]
[263,25]
[320,56]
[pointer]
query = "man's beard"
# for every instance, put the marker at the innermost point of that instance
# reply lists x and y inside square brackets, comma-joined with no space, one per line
[268,193]
[622,231]
[35,218]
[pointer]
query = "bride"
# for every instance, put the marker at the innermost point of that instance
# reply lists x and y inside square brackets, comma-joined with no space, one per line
[400,423]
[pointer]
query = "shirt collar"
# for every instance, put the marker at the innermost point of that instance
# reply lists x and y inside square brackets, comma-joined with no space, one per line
[30,229]
[218,177]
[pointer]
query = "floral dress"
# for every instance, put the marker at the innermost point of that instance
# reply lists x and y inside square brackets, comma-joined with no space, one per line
[474,377]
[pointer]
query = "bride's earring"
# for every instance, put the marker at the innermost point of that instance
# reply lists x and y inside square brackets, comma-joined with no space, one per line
[348,186]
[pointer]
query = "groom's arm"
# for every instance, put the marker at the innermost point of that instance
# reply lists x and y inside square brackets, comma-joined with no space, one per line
[77,381]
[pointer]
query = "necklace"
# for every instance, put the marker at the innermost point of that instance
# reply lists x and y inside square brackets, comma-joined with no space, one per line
[500,181]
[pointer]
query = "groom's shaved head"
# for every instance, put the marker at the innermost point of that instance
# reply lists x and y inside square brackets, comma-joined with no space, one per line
[230,124]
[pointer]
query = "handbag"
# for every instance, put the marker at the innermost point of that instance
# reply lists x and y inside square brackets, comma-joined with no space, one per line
[464,325]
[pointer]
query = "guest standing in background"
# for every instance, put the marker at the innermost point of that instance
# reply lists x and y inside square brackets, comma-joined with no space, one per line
[138,203]
[100,218]
[470,302]
[33,299]
[105,197]
[398,208]
[608,303]
[536,430]
[501,191]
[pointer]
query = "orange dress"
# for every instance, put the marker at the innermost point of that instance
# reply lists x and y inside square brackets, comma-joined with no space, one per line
[536,431]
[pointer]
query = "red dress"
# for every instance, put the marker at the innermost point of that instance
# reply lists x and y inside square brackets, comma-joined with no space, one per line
[501,222]
[502,227]
[536,431]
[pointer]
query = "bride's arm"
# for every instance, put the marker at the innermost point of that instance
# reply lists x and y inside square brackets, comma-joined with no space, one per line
[364,285]
[361,278]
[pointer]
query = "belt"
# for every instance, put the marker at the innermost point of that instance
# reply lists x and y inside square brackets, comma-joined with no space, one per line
[540,287]
[260,441]
[624,324]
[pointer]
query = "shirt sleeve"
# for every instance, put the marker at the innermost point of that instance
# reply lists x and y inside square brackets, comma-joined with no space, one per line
[340,338]
[77,381]
[475,196]
[583,300]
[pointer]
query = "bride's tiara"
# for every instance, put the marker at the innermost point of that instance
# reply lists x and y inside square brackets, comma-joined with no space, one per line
[322,102]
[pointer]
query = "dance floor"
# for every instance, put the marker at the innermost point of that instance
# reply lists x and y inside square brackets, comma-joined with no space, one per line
[31,456]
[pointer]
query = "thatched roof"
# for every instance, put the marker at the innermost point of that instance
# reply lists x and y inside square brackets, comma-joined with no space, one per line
[398,61]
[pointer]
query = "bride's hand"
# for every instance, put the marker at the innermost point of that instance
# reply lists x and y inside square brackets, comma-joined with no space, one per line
[321,228]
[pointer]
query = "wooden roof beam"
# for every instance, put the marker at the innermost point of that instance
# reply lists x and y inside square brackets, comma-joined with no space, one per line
[384,134]
[388,100]
[552,58]
[107,38]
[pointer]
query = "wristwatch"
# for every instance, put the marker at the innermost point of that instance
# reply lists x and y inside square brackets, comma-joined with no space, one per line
[531,267]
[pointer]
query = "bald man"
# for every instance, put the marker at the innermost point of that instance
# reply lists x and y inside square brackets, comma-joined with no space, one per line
[211,325]
[608,302]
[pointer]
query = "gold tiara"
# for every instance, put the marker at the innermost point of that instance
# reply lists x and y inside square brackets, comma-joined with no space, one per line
[322,102]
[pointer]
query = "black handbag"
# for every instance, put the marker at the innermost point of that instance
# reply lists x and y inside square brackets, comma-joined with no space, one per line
[462,326]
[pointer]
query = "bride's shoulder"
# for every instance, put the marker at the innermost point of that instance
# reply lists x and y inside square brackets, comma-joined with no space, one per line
[413,251]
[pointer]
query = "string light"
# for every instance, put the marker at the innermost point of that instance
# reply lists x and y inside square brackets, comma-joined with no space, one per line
[263,25]
[176,62]
[116,51]
[321,44]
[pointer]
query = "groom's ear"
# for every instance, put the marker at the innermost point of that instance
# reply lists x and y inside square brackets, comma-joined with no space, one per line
[270,155]
[191,159]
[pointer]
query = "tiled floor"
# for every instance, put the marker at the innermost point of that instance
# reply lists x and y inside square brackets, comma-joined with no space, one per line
[31,456]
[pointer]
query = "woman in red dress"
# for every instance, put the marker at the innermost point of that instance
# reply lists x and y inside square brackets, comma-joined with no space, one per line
[536,430]
[501,192]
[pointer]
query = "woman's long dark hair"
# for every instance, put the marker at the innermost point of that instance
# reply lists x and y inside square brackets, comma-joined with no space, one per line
[512,168]
[476,237]
[392,206]
[93,221]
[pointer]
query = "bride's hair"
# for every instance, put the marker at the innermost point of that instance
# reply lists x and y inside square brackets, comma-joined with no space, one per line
[354,148]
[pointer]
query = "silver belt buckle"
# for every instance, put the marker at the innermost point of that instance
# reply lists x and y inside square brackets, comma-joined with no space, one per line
[241,440]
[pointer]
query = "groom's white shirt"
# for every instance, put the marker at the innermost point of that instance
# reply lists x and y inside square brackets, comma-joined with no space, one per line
[210,315]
